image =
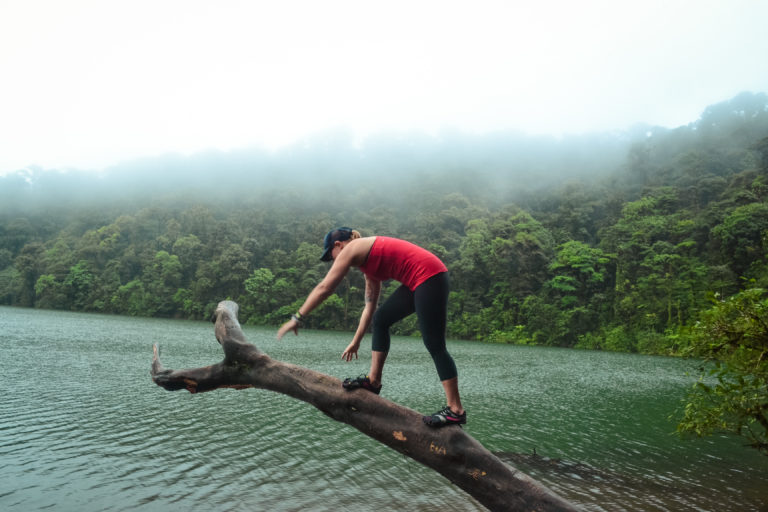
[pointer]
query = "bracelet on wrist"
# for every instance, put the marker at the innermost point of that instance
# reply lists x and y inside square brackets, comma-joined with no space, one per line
[297,316]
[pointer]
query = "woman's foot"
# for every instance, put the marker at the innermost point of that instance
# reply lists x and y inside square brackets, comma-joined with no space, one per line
[361,382]
[444,417]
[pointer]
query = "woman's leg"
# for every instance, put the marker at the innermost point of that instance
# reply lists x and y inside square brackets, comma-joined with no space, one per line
[451,388]
[431,304]
[397,306]
[378,358]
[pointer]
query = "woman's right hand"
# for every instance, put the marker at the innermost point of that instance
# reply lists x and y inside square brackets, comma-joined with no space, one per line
[350,351]
[290,325]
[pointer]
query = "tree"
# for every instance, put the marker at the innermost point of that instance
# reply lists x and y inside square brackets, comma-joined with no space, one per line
[502,261]
[741,235]
[16,233]
[761,146]
[161,280]
[10,284]
[188,249]
[669,285]
[132,299]
[449,451]
[732,394]
[49,292]
[28,264]
[259,297]
[579,283]
[78,283]
[232,269]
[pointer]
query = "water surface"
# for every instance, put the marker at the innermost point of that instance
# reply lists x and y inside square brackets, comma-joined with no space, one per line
[83,428]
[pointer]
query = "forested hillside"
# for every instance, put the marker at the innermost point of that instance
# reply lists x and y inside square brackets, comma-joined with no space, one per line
[616,241]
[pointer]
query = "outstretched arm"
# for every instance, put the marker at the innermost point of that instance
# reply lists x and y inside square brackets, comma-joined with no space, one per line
[353,254]
[316,297]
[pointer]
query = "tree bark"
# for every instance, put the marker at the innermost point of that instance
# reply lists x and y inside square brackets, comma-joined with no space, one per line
[449,450]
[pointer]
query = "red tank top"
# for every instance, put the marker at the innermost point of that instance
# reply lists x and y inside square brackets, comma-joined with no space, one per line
[392,258]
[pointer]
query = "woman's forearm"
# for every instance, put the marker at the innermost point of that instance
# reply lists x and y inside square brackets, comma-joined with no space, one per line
[316,297]
[325,288]
[365,321]
[372,291]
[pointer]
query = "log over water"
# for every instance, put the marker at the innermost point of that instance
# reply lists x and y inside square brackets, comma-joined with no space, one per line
[449,451]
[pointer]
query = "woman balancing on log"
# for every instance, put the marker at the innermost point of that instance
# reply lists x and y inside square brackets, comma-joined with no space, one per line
[424,290]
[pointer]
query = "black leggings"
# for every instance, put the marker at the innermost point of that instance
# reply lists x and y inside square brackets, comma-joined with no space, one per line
[430,302]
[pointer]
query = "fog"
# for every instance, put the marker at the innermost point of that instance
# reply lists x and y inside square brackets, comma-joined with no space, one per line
[330,167]
[91,85]
[493,168]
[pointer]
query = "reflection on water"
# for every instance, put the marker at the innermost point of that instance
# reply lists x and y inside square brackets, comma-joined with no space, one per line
[84,428]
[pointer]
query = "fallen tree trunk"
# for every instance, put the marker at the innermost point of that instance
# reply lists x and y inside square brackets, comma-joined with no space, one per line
[449,451]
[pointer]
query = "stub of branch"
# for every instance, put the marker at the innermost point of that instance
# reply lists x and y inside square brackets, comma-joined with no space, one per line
[449,451]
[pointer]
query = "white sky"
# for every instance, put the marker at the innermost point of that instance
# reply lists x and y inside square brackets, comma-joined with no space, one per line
[87,83]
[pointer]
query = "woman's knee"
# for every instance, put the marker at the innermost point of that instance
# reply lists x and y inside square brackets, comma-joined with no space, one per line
[445,365]
[382,320]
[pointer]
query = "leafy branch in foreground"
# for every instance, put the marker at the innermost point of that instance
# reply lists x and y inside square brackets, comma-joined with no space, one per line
[731,395]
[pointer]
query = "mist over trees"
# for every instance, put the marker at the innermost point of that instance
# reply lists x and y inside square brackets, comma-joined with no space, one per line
[613,241]
[486,167]
[651,241]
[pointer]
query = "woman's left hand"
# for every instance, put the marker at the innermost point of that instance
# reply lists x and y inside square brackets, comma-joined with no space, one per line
[350,351]
[290,325]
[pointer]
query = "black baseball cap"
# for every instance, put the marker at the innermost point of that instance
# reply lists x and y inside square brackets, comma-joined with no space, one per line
[333,236]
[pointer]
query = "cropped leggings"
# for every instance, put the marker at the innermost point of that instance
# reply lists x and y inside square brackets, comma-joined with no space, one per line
[430,303]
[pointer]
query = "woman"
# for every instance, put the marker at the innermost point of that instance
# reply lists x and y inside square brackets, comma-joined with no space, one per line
[424,290]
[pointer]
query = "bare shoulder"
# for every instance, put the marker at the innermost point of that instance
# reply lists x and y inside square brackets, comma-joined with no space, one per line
[362,244]
[359,249]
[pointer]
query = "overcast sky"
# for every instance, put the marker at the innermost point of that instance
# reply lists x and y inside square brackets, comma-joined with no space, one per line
[89,83]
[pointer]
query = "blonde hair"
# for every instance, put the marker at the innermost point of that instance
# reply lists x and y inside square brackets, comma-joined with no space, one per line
[355,234]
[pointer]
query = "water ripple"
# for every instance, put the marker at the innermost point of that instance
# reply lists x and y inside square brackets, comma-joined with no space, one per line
[84,428]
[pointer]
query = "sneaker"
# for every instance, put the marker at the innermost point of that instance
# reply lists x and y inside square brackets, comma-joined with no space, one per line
[445,417]
[361,382]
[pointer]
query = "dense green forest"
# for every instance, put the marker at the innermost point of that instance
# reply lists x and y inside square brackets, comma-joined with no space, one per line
[614,241]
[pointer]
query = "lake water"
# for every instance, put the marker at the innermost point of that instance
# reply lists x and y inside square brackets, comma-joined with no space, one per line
[83,427]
